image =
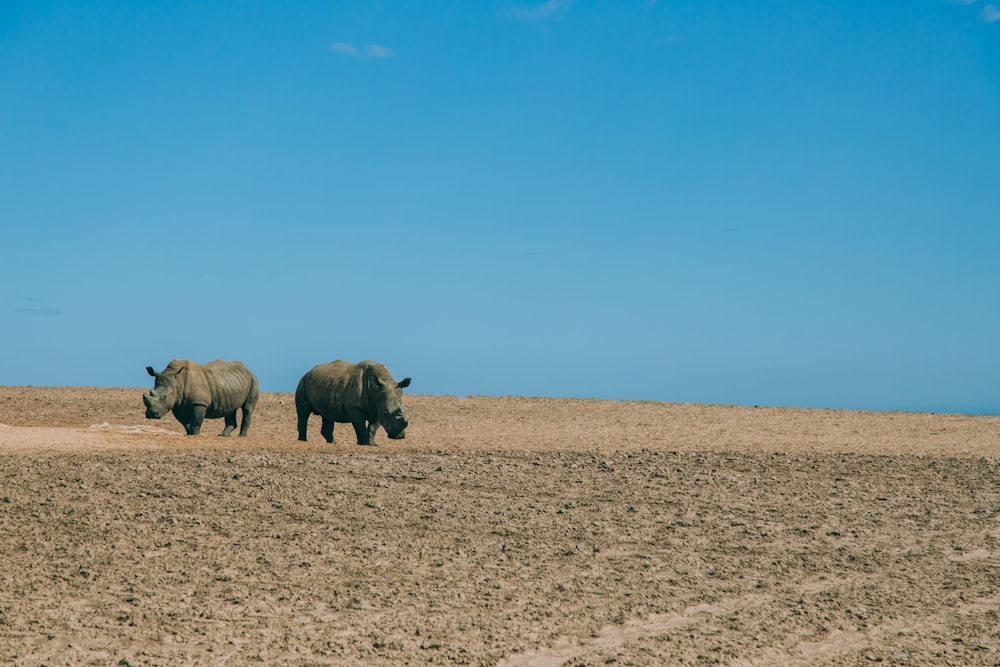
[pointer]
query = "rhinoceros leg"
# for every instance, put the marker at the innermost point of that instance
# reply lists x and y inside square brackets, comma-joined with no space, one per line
[245,424]
[372,429]
[326,430]
[303,422]
[361,430]
[197,417]
[230,425]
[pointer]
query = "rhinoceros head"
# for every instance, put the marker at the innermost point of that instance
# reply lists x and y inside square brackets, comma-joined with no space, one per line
[388,398]
[165,394]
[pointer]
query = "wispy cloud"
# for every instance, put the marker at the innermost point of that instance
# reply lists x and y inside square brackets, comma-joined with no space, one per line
[376,51]
[372,51]
[538,12]
[34,306]
[40,310]
[990,13]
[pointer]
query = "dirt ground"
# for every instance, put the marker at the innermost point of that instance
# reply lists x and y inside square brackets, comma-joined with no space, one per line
[502,531]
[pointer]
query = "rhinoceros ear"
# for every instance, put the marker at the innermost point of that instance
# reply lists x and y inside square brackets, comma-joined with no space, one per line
[404,383]
[149,369]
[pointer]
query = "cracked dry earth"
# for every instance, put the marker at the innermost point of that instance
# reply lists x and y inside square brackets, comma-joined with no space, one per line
[502,531]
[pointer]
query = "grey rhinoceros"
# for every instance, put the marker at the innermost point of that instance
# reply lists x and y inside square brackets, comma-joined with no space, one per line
[363,394]
[194,392]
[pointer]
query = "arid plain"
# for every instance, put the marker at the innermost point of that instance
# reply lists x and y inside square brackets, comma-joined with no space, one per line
[501,531]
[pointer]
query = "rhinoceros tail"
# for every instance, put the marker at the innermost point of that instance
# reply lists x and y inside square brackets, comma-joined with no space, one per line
[254,394]
[301,397]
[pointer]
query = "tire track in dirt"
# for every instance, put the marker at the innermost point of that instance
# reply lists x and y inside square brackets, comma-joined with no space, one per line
[872,643]
[864,643]
[611,638]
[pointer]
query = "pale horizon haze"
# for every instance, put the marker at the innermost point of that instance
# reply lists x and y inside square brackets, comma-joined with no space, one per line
[753,203]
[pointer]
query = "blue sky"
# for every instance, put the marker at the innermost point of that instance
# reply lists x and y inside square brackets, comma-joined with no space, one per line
[768,202]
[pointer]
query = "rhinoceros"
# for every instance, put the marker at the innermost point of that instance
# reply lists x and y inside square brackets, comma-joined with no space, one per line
[196,391]
[363,394]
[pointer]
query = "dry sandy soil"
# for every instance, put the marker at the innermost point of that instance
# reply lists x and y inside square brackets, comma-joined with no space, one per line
[502,531]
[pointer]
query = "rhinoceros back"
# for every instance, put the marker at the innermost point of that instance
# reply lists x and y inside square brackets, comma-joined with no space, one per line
[229,385]
[332,390]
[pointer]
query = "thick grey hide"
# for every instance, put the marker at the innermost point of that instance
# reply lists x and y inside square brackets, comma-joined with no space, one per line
[364,395]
